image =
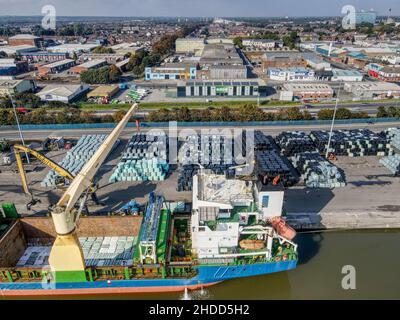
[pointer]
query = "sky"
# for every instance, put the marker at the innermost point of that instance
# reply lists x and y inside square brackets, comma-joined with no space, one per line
[190,8]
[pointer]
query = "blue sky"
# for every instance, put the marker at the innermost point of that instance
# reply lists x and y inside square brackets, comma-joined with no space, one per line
[251,8]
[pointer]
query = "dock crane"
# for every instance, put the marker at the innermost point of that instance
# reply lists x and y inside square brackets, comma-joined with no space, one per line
[18,149]
[66,258]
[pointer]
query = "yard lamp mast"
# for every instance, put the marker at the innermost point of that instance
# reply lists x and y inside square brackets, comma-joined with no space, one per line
[19,127]
[333,121]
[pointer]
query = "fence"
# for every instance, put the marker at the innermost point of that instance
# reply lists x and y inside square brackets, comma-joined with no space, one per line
[77,126]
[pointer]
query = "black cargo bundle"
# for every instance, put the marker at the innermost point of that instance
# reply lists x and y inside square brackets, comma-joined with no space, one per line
[270,164]
[212,152]
[146,146]
[353,143]
[294,142]
[262,141]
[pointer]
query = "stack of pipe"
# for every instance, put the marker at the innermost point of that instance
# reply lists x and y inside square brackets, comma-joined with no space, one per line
[76,158]
[392,161]
[317,172]
[294,142]
[212,152]
[271,164]
[352,143]
[144,159]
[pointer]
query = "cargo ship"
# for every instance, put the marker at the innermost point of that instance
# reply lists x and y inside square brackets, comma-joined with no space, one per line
[232,229]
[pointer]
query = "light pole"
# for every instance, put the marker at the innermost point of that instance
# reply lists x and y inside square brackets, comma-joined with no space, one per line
[19,127]
[333,122]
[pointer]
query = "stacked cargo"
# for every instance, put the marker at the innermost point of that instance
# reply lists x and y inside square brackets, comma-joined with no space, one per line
[271,164]
[317,172]
[212,152]
[392,161]
[352,143]
[108,251]
[144,159]
[76,158]
[294,142]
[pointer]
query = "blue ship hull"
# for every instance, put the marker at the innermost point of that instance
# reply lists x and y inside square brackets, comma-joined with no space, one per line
[206,276]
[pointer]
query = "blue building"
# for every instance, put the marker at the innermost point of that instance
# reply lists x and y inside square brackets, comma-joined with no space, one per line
[171,72]
[365,17]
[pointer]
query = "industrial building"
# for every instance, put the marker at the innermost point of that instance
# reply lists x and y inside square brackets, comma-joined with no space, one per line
[210,88]
[259,43]
[92,64]
[8,87]
[346,75]
[25,39]
[44,56]
[316,62]
[373,90]
[220,54]
[73,48]
[56,67]
[227,72]
[126,48]
[365,17]
[111,58]
[189,45]
[11,67]
[291,74]
[306,91]
[171,71]
[62,93]
[18,50]
[105,92]
[285,59]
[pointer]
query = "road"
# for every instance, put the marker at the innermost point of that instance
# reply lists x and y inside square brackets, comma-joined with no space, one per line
[127,133]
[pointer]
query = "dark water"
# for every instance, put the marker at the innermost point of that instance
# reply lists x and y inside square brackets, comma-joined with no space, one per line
[374,254]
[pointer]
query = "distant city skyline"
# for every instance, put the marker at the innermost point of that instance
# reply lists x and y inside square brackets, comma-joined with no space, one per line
[197,8]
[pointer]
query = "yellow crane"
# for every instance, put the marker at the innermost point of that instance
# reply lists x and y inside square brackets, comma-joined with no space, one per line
[66,258]
[18,149]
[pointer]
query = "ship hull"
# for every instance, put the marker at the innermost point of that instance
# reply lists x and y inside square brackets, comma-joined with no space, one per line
[206,276]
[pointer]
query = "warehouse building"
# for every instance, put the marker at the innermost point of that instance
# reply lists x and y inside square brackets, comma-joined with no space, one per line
[306,91]
[287,59]
[291,74]
[220,54]
[105,92]
[111,58]
[373,90]
[8,87]
[171,71]
[62,93]
[11,67]
[189,45]
[44,56]
[259,43]
[346,75]
[210,88]
[315,62]
[228,72]
[25,39]
[93,64]
[56,67]
[125,48]
[18,50]
[73,48]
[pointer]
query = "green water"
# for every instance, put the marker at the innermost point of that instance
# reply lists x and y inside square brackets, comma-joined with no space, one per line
[374,254]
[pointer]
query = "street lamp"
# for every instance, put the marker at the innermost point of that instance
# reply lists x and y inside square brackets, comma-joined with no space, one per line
[333,121]
[19,127]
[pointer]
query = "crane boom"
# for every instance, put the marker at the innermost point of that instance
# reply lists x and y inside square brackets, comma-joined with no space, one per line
[46,161]
[66,258]
[64,216]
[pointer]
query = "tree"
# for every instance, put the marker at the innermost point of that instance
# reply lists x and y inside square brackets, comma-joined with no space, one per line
[382,113]
[101,49]
[238,42]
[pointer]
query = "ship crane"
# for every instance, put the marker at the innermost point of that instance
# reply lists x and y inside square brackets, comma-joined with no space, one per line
[66,258]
